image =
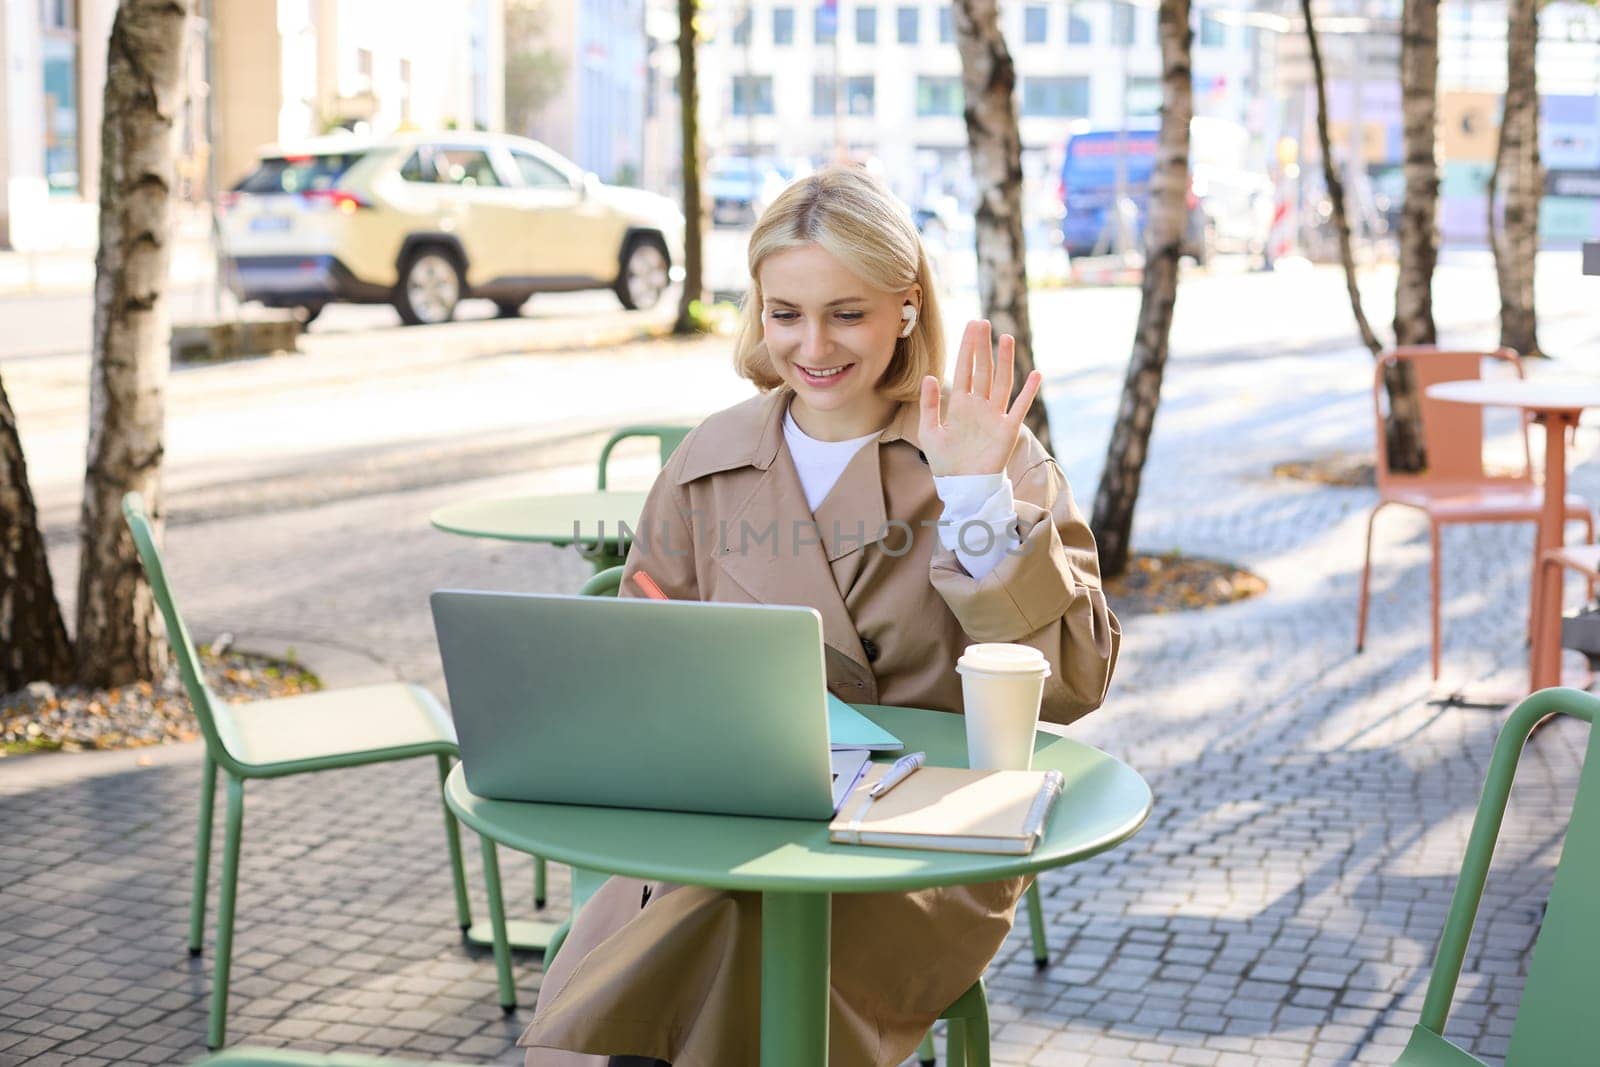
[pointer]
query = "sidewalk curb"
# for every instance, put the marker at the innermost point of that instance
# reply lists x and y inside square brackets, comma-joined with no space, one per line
[337,667]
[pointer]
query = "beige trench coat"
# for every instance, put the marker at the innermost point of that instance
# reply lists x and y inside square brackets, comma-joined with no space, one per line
[673,973]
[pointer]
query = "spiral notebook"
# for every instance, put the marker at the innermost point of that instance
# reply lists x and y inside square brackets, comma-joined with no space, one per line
[950,809]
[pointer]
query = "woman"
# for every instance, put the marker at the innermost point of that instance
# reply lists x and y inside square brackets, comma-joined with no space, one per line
[913,532]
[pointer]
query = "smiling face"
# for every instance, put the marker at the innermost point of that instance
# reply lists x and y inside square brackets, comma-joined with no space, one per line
[830,336]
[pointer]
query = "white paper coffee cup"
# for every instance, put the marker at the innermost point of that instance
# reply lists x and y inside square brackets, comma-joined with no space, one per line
[1001,686]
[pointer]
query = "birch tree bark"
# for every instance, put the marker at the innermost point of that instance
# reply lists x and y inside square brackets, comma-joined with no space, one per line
[120,637]
[33,639]
[1419,237]
[1112,520]
[1403,424]
[693,204]
[988,82]
[1515,243]
[1335,184]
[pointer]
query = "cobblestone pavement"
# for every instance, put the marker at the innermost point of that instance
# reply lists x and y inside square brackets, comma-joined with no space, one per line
[1281,906]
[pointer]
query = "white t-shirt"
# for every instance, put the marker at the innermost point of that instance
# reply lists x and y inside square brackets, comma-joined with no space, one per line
[979,523]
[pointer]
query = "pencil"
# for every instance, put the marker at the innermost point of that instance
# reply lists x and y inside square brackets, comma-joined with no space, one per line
[647,585]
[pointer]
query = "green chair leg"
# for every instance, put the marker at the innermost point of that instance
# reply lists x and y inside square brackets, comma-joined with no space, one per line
[955,1043]
[452,833]
[557,939]
[539,876]
[202,858]
[226,900]
[497,921]
[966,1031]
[925,1054]
[976,1026]
[1041,944]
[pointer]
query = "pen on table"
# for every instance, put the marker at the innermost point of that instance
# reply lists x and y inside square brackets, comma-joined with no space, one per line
[647,585]
[903,768]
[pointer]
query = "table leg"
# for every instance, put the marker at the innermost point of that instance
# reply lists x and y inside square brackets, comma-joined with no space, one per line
[1544,660]
[795,928]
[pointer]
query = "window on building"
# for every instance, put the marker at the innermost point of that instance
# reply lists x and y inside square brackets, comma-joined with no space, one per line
[1143,97]
[938,96]
[823,99]
[1078,29]
[465,166]
[1121,23]
[59,56]
[1213,34]
[905,22]
[59,14]
[538,174]
[741,27]
[1056,97]
[364,68]
[866,24]
[1035,24]
[825,23]
[752,94]
[947,24]
[859,94]
[783,25]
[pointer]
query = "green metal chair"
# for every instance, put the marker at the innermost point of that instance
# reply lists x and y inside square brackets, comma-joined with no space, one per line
[605,556]
[668,437]
[278,737]
[1552,1025]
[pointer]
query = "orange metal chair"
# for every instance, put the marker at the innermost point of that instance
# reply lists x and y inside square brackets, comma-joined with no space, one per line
[1456,487]
[1585,559]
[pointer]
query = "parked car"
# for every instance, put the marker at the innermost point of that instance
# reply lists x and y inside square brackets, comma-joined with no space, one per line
[1229,204]
[740,188]
[423,221]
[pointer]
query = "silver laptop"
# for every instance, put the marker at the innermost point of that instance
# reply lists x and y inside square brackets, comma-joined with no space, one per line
[675,705]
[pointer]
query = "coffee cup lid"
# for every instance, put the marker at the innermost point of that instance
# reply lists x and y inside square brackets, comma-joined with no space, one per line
[1003,658]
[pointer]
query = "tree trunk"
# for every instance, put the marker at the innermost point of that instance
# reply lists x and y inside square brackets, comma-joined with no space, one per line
[1112,521]
[1419,237]
[988,80]
[1330,174]
[1516,243]
[33,639]
[120,638]
[1403,426]
[693,207]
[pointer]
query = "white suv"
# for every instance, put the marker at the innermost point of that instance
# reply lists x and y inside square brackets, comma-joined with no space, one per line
[423,221]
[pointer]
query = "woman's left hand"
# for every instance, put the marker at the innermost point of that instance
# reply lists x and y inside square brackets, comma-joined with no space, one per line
[978,433]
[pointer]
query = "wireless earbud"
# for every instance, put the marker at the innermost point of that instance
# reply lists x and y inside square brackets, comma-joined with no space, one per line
[909,314]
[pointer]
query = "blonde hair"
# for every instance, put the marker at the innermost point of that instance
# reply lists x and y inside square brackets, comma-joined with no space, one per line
[846,211]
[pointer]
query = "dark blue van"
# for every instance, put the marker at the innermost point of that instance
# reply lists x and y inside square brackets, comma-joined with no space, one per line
[1089,185]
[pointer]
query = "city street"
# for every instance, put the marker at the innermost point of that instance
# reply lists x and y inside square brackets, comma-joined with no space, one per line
[370,406]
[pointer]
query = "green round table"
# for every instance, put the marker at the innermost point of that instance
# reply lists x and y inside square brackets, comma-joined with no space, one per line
[593,521]
[796,868]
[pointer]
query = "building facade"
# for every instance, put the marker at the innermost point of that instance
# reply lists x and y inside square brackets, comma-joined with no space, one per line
[298,68]
[825,79]
[51,85]
[1365,116]
[597,116]
[285,70]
